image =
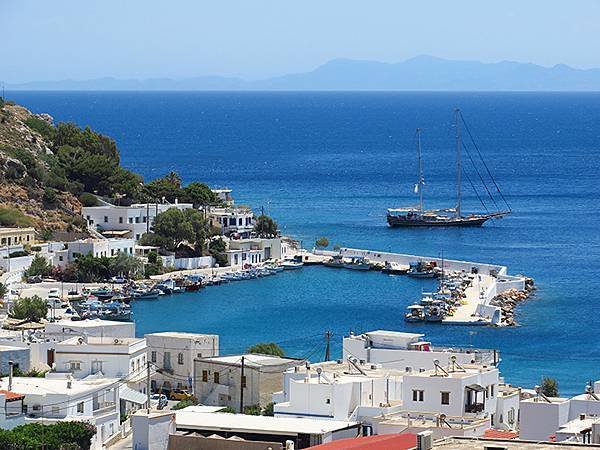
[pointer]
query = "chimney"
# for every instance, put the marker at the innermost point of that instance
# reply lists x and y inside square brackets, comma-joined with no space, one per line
[10,375]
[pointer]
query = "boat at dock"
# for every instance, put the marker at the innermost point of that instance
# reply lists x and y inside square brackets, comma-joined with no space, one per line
[394,268]
[422,269]
[291,264]
[417,216]
[357,263]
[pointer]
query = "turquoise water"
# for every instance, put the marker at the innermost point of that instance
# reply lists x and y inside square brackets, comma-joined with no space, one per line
[331,163]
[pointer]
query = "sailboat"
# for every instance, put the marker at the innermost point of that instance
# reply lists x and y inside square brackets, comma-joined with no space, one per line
[417,216]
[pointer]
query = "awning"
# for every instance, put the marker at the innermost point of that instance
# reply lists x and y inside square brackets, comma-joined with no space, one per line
[126,393]
[476,387]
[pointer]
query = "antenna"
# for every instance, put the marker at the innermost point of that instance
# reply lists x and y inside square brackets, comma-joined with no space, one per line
[538,391]
[589,390]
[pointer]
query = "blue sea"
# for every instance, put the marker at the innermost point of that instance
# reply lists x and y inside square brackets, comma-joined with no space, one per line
[329,164]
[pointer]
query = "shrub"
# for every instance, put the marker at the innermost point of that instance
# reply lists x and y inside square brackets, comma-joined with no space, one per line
[88,199]
[39,267]
[268,411]
[267,348]
[192,401]
[252,410]
[42,127]
[49,197]
[32,309]
[12,217]
[18,254]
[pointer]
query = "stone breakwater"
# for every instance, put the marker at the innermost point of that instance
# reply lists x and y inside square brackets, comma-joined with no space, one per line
[508,301]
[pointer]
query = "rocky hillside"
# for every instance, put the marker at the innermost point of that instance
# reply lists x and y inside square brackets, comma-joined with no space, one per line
[27,196]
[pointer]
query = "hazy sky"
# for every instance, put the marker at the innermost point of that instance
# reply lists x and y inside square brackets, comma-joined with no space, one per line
[81,39]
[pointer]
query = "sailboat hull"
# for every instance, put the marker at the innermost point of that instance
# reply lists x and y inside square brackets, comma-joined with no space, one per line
[474,221]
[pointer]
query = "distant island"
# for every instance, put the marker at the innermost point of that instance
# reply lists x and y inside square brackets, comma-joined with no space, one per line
[421,73]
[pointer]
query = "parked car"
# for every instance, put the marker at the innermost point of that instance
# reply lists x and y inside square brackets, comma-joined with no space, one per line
[179,394]
[34,279]
[54,293]
[118,280]
[54,302]
[160,400]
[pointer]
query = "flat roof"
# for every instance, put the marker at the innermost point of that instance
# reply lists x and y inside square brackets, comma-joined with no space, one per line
[89,323]
[468,371]
[399,334]
[58,385]
[252,360]
[98,340]
[472,443]
[347,372]
[16,229]
[242,423]
[181,334]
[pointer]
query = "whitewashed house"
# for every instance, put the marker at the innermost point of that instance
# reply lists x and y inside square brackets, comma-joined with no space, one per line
[243,252]
[68,252]
[173,354]
[339,390]
[234,221]
[61,397]
[409,351]
[219,381]
[126,221]
[122,358]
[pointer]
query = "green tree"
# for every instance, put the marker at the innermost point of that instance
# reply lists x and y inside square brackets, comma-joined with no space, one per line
[549,387]
[265,227]
[126,183]
[322,242]
[32,309]
[91,268]
[39,267]
[3,290]
[200,226]
[199,194]
[168,187]
[152,257]
[173,227]
[88,199]
[124,265]
[266,348]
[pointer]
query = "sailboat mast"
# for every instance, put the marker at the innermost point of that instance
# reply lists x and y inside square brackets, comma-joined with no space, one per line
[421,181]
[458,164]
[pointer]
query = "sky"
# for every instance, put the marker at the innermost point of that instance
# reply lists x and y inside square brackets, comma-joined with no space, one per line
[252,39]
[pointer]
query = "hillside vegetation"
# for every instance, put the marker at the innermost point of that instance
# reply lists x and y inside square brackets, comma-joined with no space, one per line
[47,171]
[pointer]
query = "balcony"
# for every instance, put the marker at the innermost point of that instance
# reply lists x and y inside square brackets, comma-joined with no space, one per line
[474,408]
[103,408]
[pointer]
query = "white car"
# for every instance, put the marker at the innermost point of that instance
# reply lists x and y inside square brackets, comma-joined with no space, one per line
[160,400]
[54,293]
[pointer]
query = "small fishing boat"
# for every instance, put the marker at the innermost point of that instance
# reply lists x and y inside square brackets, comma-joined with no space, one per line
[145,294]
[336,261]
[415,314]
[422,269]
[102,293]
[290,264]
[357,263]
[394,268]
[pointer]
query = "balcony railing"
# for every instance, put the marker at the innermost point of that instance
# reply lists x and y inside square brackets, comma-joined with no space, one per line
[103,408]
[474,408]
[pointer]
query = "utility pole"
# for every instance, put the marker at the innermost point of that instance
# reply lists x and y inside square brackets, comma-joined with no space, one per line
[148,385]
[242,383]
[328,346]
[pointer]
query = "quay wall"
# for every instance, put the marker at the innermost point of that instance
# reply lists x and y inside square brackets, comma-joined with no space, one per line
[401,258]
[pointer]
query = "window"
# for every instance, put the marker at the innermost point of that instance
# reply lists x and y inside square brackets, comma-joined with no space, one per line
[120,220]
[244,381]
[130,220]
[137,220]
[133,366]
[167,360]
[205,375]
[75,365]
[105,219]
[418,395]
[153,356]
[328,401]
[445,398]
[60,258]
[216,377]
[80,407]
[492,390]
[153,385]
[144,360]
[180,358]
[199,355]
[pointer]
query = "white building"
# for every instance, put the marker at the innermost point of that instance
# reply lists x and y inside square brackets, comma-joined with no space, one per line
[234,221]
[224,195]
[122,358]
[173,355]
[339,390]
[70,251]
[543,417]
[63,329]
[409,351]
[219,381]
[60,397]
[244,252]
[126,221]
[454,390]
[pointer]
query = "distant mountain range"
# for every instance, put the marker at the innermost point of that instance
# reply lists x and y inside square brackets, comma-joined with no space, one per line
[419,73]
